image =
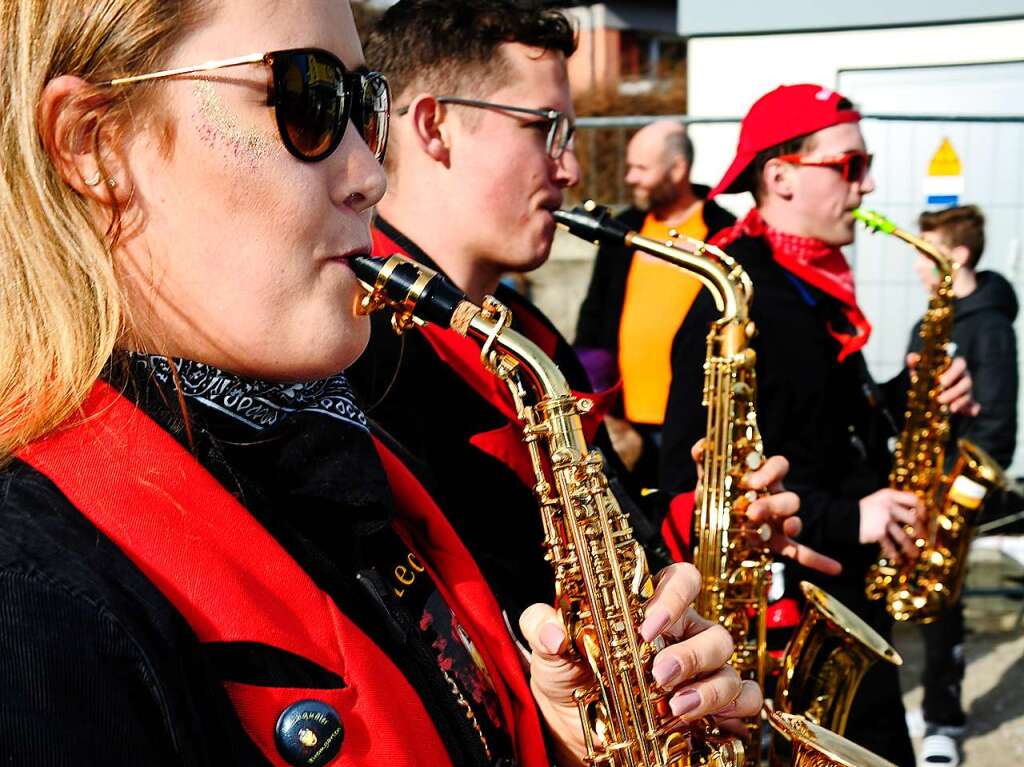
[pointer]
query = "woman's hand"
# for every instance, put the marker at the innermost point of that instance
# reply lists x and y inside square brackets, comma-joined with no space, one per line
[692,667]
[777,509]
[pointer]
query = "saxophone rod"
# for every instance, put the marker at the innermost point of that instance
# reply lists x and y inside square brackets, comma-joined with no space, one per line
[419,295]
[594,223]
[876,222]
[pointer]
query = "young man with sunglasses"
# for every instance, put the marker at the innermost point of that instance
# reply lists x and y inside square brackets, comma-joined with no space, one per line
[802,156]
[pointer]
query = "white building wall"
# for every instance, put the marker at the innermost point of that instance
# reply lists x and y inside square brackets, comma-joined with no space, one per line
[727,74]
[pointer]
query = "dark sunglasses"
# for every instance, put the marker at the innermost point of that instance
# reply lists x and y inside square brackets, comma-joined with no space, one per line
[313,97]
[854,165]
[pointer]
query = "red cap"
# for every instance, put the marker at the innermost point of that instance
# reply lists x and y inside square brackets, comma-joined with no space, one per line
[782,115]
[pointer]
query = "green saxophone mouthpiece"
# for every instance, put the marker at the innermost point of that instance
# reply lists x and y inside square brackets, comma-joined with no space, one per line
[874,220]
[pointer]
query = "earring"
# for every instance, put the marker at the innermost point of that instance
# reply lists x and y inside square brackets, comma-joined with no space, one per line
[94,180]
[112,182]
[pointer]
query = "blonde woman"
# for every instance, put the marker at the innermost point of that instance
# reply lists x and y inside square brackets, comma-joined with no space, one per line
[202,558]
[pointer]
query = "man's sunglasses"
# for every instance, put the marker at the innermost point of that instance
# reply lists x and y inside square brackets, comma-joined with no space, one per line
[854,165]
[560,128]
[313,97]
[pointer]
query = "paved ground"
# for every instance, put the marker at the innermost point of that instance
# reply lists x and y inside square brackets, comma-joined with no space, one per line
[993,693]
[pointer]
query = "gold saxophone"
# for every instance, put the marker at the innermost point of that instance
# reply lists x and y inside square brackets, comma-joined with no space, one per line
[832,648]
[922,589]
[601,578]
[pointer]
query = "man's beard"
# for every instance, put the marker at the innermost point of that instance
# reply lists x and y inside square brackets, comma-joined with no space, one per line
[663,194]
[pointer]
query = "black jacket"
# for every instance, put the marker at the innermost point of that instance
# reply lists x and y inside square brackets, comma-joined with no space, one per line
[827,418]
[433,412]
[601,312]
[984,337]
[99,669]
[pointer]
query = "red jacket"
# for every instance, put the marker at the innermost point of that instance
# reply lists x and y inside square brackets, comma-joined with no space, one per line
[234,582]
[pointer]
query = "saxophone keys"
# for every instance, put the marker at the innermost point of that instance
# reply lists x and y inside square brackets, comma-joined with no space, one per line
[754,460]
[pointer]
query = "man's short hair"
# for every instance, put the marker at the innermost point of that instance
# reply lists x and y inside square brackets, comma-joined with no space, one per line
[960,226]
[680,143]
[449,47]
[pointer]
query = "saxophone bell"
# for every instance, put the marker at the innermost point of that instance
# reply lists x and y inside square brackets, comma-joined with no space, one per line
[812,745]
[826,659]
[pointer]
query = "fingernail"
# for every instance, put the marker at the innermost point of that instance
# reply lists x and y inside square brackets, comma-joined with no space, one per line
[684,702]
[665,671]
[551,638]
[656,621]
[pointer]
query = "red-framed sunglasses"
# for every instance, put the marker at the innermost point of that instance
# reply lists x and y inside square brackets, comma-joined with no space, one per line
[854,165]
[313,97]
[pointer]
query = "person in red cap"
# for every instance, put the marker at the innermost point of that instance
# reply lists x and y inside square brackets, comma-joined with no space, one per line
[802,156]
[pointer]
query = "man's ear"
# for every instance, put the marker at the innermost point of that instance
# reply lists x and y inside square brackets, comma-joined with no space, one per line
[680,170]
[778,178]
[961,255]
[427,115]
[81,146]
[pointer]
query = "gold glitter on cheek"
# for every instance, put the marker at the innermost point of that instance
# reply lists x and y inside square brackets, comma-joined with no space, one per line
[219,126]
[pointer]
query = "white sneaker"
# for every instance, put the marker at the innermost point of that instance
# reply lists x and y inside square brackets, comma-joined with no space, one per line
[938,750]
[915,722]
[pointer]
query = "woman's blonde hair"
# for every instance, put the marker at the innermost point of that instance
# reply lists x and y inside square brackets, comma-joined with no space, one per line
[61,309]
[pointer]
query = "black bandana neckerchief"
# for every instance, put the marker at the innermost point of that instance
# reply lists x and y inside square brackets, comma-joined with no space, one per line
[303,448]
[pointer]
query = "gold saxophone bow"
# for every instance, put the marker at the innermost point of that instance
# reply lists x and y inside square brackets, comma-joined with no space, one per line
[832,648]
[601,578]
[921,589]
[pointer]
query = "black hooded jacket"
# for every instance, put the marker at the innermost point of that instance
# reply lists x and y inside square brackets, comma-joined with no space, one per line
[984,337]
[829,419]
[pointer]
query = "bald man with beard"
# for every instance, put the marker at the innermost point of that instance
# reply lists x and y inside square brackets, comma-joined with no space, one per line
[636,303]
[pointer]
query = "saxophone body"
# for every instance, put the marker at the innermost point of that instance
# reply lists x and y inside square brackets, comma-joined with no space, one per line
[922,589]
[832,648]
[733,559]
[602,581]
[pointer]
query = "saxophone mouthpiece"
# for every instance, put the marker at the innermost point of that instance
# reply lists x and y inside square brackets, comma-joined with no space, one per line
[874,220]
[403,283]
[592,222]
[367,269]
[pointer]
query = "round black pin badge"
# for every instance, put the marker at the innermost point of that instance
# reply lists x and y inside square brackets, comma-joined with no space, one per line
[309,733]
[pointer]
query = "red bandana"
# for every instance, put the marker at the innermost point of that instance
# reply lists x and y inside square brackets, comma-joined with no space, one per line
[817,264]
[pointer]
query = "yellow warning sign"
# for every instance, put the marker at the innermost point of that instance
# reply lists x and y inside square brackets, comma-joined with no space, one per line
[945,161]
